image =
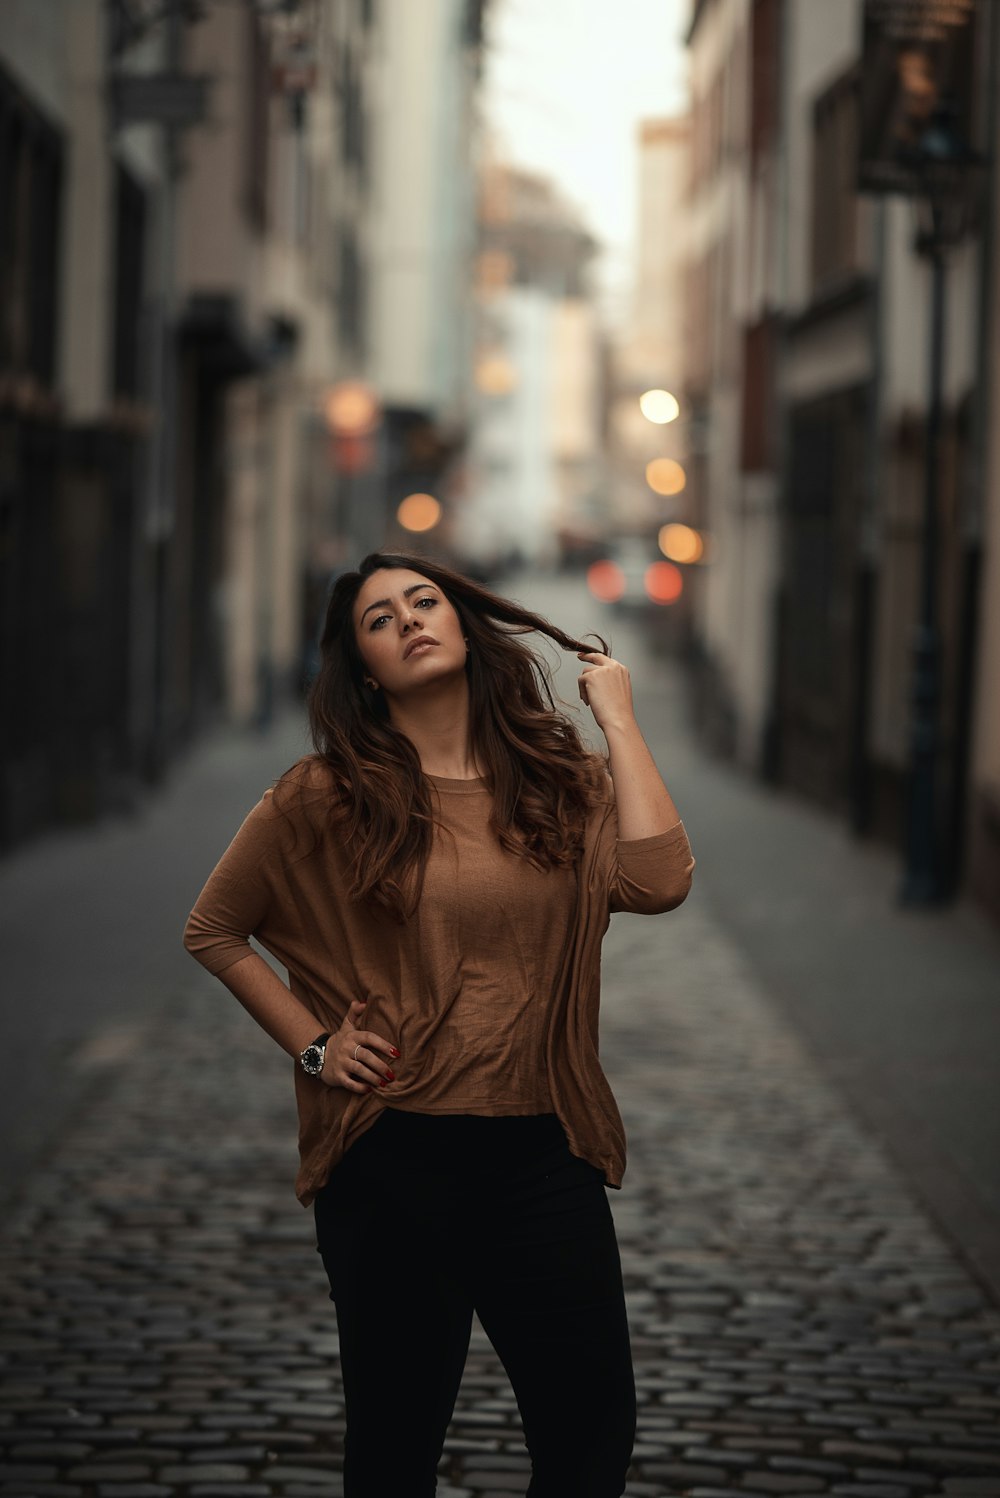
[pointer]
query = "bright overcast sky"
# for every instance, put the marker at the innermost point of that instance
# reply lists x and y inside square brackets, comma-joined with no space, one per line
[566,83]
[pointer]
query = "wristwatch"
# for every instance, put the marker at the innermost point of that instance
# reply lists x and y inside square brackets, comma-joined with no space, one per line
[314,1055]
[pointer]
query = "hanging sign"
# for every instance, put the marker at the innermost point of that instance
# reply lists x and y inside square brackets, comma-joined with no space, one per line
[917,61]
[176,99]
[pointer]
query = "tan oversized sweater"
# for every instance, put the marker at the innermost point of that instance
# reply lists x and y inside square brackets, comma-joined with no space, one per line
[489,991]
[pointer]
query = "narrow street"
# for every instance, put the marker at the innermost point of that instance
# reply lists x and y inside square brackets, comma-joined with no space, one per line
[810,1222]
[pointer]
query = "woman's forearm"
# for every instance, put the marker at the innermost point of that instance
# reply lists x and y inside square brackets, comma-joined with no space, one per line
[356,1059]
[271,1003]
[645,806]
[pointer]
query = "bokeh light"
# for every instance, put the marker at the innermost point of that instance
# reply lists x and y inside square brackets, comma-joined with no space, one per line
[663,582]
[351,408]
[680,543]
[659,406]
[665,476]
[419,512]
[606,581]
[495,375]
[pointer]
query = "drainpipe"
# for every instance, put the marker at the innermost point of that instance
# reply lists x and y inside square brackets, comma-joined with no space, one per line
[164,399]
[774,725]
[869,545]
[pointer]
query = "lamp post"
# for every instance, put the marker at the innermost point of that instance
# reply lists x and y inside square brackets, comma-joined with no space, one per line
[942,163]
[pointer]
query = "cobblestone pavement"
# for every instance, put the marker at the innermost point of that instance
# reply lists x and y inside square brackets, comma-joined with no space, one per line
[799,1326]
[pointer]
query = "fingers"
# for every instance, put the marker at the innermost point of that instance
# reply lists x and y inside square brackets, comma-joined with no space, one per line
[605,686]
[358,1067]
[359,1060]
[367,1067]
[373,1042]
[604,667]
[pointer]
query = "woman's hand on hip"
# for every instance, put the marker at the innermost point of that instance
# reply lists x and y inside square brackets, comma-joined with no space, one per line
[358,1059]
[606,688]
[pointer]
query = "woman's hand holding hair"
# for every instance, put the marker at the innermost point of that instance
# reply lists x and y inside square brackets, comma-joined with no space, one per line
[354,1058]
[606,688]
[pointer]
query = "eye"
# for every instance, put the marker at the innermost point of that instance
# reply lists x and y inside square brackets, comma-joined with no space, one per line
[379,622]
[428,598]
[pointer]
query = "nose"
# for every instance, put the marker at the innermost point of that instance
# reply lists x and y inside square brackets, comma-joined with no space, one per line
[408,619]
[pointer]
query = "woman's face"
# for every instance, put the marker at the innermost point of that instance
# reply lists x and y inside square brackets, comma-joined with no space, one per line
[408,633]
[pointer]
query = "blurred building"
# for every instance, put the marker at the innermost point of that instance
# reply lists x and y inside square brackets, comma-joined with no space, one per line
[980,534]
[259,329]
[214,217]
[649,351]
[74,425]
[808,349]
[733,296]
[648,449]
[421,264]
[535,460]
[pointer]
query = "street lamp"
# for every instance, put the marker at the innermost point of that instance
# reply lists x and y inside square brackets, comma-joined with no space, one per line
[942,164]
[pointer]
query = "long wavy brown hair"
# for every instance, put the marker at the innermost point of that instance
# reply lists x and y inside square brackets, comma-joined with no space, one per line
[544,781]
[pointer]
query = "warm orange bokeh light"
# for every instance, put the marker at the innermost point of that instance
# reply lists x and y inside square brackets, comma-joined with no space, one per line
[351,409]
[680,543]
[606,581]
[665,476]
[664,583]
[419,512]
[495,375]
[495,270]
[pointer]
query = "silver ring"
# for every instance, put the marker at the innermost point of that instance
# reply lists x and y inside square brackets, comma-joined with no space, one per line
[356,1050]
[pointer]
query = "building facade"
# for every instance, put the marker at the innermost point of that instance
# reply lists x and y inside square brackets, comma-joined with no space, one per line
[810,341]
[213,217]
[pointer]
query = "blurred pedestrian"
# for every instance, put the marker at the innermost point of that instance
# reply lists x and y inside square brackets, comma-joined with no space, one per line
[437,879]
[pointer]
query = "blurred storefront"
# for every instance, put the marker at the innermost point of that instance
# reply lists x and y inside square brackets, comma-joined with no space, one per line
[214,217]
[73,427]
[809,350]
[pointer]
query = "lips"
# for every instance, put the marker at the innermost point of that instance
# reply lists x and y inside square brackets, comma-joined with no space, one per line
[416,644]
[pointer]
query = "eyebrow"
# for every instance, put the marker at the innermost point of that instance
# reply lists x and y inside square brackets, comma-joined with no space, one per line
[386,603]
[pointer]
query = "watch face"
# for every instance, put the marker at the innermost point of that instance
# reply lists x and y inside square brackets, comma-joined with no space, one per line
[312,1060]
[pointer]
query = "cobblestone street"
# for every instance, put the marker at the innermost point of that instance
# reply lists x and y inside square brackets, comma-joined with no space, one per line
[800,1324]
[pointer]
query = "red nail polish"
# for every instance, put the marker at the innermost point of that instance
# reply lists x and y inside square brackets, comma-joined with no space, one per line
[393,1052]
[390,1076]
[383,1084]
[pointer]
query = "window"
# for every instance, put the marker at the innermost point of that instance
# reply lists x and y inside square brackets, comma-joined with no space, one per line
[765,75]
[835,209]
[30,194]
[130,240]
[258,103]
[759,447]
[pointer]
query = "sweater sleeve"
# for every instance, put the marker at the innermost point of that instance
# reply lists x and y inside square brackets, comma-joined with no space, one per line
[235,900]
[650,875]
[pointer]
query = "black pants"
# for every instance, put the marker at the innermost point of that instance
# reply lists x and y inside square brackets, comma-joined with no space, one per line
[431,1217]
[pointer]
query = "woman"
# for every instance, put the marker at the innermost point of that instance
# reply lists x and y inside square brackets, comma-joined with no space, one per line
[437,879]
